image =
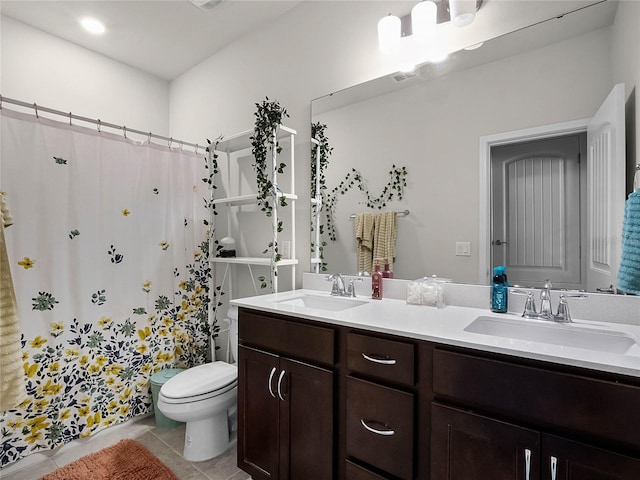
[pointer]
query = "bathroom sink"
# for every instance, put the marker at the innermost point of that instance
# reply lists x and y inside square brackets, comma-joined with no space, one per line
[319,302]
[571,335]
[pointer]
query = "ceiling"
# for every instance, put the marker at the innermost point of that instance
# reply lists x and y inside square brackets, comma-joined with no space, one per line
[162,37]
[168,37]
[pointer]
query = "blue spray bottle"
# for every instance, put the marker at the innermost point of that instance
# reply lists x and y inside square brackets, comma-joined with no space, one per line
[499,290]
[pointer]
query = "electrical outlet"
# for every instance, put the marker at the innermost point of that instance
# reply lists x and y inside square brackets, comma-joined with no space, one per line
[463,249]
[285,249]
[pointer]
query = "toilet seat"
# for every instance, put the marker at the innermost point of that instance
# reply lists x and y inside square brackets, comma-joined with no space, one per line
[200,383]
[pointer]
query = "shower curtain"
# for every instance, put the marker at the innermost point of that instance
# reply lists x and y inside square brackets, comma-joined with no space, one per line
[109,257]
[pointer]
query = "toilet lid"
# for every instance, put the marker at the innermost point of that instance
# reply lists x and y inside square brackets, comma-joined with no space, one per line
[201,380]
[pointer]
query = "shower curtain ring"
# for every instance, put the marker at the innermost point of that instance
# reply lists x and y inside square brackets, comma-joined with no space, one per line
[149,138]
[170,142]
[124,131]
[196,143]
[35,107]
[99,125]
[181,144]
[0,102]
[70,117]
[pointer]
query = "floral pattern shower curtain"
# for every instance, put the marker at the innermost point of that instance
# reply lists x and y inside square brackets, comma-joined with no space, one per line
[109,258]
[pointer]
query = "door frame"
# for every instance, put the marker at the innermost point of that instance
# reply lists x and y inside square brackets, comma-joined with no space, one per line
[485,226]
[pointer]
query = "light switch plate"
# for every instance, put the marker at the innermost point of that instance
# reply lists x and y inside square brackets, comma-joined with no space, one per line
[463,249]
[285,249]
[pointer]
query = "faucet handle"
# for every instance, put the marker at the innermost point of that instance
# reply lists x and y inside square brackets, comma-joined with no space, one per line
[563,315]
[529,304]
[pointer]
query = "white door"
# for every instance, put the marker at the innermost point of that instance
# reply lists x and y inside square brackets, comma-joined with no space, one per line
[606,190]
[536,210]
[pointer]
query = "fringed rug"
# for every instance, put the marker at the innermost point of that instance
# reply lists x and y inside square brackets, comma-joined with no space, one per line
[126,460]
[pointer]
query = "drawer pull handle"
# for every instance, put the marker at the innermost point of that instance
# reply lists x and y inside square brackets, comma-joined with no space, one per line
[380,360]
[273,371]
[279,385]
[376,431]
[554,467]
[527,463]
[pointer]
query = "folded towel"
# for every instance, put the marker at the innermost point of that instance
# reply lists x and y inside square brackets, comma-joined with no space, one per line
[384,237]
[363,226]
[629,273]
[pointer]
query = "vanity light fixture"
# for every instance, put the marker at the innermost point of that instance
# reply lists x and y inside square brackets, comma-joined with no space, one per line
[93,25]
[413,39]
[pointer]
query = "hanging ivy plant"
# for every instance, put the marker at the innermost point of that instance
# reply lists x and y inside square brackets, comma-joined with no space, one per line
[264,143]
[265,147]
[211,165]
[320,152]
[393,190]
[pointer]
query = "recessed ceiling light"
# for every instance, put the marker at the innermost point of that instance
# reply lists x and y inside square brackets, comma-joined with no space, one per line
[92,25]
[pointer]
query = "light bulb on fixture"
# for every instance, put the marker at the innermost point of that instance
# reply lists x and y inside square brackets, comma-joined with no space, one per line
[463,12]
[424,17]
[389,30]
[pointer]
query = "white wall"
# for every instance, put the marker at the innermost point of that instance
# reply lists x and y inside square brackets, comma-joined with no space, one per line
[433,128]
[38,67]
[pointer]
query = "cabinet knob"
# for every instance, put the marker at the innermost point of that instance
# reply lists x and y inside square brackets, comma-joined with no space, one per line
[379,359]
[387,432]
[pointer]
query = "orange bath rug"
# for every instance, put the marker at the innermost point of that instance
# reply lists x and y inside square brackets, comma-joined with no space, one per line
[126,460]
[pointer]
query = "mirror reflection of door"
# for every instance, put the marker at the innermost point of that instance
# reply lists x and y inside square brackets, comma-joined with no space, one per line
[536,195]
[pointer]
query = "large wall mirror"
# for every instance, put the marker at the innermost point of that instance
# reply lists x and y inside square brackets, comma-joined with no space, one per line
[433,122]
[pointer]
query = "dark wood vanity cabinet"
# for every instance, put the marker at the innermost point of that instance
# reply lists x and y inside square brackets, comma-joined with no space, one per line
[474,441]
[317,401]
[285,405]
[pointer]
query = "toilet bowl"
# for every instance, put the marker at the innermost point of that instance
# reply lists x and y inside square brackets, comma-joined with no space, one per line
[203,397]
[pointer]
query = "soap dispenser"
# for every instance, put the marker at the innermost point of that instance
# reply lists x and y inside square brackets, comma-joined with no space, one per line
[386,273]
[376,282]
[499,290]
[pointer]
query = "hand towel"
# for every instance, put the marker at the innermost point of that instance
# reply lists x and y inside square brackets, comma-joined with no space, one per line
[384,237]
[363,226]
[629,273]
[12,386]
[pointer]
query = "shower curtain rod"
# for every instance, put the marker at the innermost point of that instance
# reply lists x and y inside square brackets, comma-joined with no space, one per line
[98,122]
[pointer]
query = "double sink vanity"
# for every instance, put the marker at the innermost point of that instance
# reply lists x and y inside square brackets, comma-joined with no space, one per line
[352,388]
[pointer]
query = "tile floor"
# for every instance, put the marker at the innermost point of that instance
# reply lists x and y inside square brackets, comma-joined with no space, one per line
[164,444]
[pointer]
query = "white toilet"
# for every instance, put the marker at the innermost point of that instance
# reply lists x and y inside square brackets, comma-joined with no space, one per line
[203,397]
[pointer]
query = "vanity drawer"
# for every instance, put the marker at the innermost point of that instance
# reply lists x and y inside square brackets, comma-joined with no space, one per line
[379,426]
[381,358]
[289,337]
[552,399]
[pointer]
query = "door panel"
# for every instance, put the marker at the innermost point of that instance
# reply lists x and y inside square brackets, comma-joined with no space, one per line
[306,421]
[536,210]
[606,185]
[575,461]
[258,444]
[465,446]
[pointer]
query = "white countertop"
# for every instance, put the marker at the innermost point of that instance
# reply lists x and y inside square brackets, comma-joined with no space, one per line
[446,326]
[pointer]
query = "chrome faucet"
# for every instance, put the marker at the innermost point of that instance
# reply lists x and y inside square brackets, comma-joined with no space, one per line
[546,311]
[338,287]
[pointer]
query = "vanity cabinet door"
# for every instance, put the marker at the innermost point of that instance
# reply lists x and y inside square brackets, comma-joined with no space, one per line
[568,460]
[285,417]
[258,413]
[306,421]
[465,446]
